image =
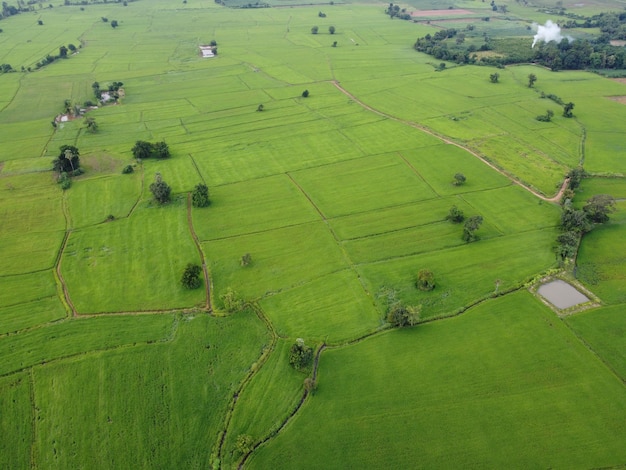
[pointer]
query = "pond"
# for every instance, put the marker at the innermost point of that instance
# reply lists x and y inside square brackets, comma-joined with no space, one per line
[561,294]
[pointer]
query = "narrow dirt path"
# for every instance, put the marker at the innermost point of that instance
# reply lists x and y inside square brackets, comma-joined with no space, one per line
[445,140]
[57,261]
[207,282]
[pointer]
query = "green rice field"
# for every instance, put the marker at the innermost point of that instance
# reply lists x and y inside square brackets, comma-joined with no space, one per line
[324,206]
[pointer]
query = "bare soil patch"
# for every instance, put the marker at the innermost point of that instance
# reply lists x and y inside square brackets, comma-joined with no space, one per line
[619,99]
[619,80]
[617,42]
[454,12]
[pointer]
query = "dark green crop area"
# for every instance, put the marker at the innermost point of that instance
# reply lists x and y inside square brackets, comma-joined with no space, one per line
[324,207]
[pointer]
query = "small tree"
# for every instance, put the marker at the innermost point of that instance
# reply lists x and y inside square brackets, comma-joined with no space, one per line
[91,124]
[314,30]
[260,108]
[567,110]
[334,43]
[532,78]
[494,77]
[310,385]
[300,355]
[471,225]
[425,280]
[200,196]
[545,117]
[128,169]
[160,190]
[246,260]
[192,278]
[114,24]
[456,215]
[331,29]
[305,94]
[459,179]
[599,207]
[63,52]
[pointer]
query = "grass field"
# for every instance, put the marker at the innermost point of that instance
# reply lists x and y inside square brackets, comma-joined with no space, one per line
[108,362]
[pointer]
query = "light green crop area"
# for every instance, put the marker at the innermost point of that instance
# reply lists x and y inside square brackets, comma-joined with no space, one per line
[322,208]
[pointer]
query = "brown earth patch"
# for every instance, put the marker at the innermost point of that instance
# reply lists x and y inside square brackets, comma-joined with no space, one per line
[454,12]
[620,80]
[619,99]
[617,42]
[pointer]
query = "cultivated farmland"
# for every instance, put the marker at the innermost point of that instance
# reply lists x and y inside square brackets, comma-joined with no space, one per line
[334,163]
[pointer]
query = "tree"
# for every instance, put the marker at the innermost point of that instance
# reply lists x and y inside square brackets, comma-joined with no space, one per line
[568,244]
[231,300]
[310,385]
[425,280]
[494,77]
[161,150]
[63,51]
[300,355]
[471,225]
[114,24]
[599,207]
[567,110]
[192,278]
[200,196]
[71,47]
[331,29]
[305,94]
[532,78]
[459,179]
[334,43]
[160,190]
[40,23]
[546,117]
[68,159]
[575,176]
[314,30]
[456,215]
[260,108]
[91,124]
[142,149]
[246,260]
[128,169]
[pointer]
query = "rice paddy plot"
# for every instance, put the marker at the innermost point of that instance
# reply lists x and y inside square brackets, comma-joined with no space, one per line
[604,153]
[464,274]
[603,329]
[116,196]
[405,242]
[392,219]
[616,187]
[513,209]
[477,388]
[25,288]
[438,164]
[265,402]
[29,314]
[132,264]
[73,337]
[186,384]
[362,184]
[281,259]
[331,308]
[253,206]
[178,171]
[601,261]
[16,424]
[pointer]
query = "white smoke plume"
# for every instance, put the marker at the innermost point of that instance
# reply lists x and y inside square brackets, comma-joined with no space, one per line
[549,32]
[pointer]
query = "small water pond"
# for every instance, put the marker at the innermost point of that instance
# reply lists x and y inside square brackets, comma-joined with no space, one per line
[561,294]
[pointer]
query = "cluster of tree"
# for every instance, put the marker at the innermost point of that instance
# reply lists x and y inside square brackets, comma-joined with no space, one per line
[68,3]
[394,11]
[232,301]
[112,90]
[612,25]
[575,223]
[6,68]
[63,52]
[397,312]
[564,55]
[300,355]
[143,149]
[66,165]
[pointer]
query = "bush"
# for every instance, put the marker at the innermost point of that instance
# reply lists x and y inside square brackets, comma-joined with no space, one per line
[244,443]
[246,260]
[456,215]
[128,169]
[192,278]
[459,179]
[200,196]
[232,302]
[402,315]
[300,355]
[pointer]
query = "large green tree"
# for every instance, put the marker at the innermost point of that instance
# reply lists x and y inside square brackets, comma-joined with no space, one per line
[471,225]
[599,207]
[160,189]
[68,159]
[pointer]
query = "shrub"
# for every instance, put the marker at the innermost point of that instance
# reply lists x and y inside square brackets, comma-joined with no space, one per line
[128,169]
[232,302]
[244,443]
[246,260]
[456,215]
[459,179]
[402,315]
